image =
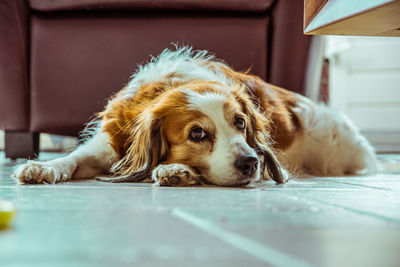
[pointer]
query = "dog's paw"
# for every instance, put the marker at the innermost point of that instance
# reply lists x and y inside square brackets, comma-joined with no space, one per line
[35,172]
[174,175]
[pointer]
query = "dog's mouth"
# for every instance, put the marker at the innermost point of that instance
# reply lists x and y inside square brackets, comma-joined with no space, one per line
[243,182]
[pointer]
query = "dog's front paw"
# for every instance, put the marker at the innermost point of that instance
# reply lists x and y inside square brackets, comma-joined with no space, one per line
[35,172]
[174,175]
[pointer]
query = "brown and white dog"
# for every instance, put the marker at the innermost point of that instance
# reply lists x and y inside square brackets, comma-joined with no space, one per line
[186,118]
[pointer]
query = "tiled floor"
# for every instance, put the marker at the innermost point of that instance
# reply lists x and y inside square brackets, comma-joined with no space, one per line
[351,221]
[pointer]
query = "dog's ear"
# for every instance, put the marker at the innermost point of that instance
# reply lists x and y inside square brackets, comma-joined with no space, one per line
[273,167]
[258,138]
[146,150]
[257,135]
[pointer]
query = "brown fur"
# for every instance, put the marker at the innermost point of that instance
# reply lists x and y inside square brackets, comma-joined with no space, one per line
[275,103]
[135,125]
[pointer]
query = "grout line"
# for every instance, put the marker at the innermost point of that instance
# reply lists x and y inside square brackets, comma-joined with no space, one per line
[358,211]
[263,252]
[361,185]
[363,212]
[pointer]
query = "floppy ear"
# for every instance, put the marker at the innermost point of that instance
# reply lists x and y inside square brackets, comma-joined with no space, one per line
[257,136]
[146,150]
[273,167]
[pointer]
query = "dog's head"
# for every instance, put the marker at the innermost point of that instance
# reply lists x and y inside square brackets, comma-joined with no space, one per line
[215,130]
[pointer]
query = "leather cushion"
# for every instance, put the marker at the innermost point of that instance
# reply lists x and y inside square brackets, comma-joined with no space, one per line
[14,92]
[78,62]
[228,5]
[289,46]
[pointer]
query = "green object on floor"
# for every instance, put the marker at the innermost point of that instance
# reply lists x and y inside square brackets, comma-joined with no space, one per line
[7,212]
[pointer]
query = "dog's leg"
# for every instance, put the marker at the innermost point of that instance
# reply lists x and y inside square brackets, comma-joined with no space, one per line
[174,175]
[94,157]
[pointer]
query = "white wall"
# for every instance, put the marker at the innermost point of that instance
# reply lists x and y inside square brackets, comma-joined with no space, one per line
[365,84]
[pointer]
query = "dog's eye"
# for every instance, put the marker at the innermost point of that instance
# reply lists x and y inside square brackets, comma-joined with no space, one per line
[197,134]
[240,123]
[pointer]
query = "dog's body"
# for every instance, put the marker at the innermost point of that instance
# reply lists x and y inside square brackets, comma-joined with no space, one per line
[186,119]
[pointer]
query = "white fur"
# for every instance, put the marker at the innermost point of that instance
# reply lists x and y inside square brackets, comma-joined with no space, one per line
[163,173]
[185,63]
[330,146]
[92,158]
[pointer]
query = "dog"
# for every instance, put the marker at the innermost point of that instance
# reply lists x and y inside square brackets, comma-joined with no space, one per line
[186,118]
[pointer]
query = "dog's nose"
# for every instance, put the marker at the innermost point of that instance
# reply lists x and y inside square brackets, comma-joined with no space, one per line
[246,164]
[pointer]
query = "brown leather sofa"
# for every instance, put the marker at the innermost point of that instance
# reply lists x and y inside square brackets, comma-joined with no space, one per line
[61,60]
